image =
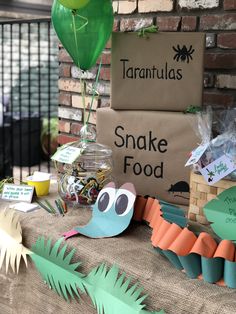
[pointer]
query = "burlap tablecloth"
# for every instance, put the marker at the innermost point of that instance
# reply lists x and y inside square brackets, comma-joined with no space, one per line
[132,251]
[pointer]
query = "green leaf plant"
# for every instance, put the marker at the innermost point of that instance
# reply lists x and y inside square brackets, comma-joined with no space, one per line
[110,292]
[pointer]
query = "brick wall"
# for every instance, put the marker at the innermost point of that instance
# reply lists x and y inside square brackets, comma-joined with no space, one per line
[217,18]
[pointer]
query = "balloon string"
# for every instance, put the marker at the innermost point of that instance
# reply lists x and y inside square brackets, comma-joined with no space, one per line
[75,14]
[94,91]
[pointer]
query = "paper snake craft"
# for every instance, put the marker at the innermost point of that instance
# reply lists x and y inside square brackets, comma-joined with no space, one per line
[112,212]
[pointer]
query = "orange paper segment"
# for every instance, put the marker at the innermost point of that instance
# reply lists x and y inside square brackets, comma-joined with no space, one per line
[139,208]
[147,208]
[225,250]
[183,243]
[157,236]
[171,234]
[205,245]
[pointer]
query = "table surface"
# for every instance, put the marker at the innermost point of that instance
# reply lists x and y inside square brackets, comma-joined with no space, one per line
[167,287]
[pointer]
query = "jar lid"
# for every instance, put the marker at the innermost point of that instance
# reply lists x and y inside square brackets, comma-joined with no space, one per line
[89,145]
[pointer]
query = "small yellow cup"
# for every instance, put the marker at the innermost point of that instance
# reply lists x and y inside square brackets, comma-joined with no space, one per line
[41,187]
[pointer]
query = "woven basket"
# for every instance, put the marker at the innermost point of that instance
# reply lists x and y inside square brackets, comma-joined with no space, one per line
[201,193]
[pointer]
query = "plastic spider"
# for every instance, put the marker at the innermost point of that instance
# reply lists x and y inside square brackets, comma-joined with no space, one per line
[183,54]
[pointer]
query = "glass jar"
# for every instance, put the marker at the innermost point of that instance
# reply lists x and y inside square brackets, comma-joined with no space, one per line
[80,182]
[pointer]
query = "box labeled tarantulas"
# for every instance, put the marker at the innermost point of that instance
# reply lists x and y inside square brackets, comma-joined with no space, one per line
[149,150]
[163,70]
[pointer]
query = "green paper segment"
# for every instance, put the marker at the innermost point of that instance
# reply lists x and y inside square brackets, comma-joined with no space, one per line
[230,274]
[191,264]
[173,258]
[212,269]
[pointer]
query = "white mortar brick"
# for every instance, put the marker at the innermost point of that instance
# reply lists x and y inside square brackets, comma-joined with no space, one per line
[69,85]
[127,6]
[198,4]
[115,6]
[77,102]
[226,81]
[145,6]
[71,114]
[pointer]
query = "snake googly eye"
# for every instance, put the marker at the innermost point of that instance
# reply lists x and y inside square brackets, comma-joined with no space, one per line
[105,199]
[124,202]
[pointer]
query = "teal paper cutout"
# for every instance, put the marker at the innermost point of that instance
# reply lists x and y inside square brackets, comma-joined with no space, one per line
[56,268]
[191,264]
[221,213]
[110,292]
[111,214]
[230,274]
[173,258]
[212,269]
[173,214]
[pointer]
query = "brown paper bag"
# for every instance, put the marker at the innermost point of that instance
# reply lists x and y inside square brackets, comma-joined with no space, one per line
[150,149]
[161,72]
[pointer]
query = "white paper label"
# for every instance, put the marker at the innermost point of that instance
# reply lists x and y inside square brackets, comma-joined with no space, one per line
[196,155]
[67,155]
[14,192]
[218,169]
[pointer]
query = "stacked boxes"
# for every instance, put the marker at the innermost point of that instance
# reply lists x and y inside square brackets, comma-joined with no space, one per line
[154,80]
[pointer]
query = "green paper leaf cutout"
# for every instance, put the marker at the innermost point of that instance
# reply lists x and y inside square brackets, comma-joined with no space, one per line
[56,269]
[112,294]
[221,213]
[11,248]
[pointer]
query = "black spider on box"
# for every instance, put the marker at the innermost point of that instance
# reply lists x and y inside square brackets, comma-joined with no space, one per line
[183,53]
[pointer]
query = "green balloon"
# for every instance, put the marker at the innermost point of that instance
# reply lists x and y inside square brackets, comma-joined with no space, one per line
[84,32]
[73,4]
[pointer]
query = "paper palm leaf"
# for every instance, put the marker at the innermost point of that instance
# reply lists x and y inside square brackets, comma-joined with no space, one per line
[221,212]
[11,246]
[112,294]
[56,268]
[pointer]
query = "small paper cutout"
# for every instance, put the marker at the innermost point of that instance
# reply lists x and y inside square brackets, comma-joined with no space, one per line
[218,169]
[67,154]
[13,192]
[24,207]
[11,246]
[196,155]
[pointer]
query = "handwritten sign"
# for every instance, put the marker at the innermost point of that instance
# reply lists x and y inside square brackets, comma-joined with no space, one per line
[67,155]
[218,169]
[13,192]
[221,213]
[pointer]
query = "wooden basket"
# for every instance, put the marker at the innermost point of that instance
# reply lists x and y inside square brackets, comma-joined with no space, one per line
[201,193]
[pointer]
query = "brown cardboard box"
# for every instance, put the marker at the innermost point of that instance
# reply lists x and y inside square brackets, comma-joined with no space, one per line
[161,72]
[150,149]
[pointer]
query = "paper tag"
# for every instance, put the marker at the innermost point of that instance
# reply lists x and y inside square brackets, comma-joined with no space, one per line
[13,192]
[196,155]
[218,169]
[24,207]
[67,155]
